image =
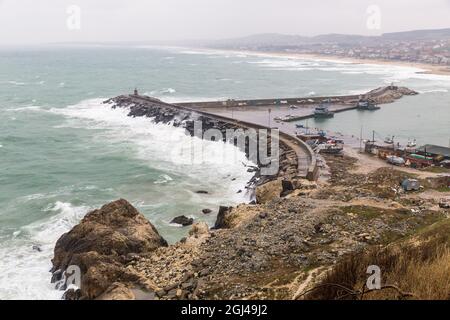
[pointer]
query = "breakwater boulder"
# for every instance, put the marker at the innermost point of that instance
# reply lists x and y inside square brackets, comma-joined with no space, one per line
[100,247]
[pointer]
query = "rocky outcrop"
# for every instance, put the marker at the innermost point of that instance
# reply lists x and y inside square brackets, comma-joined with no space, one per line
[101,245]
[221,220]
[182,220]
[389,94]
[269,191]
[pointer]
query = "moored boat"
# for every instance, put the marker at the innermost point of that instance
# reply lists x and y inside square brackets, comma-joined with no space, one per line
[322,111]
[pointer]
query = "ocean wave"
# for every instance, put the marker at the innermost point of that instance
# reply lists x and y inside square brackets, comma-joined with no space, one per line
[162,92]
[164,178]
[16,83]
[26,256]
[433,91]
[25,108]
[162,146]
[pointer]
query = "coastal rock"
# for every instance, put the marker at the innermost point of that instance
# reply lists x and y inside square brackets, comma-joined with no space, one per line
[221,217]
[183,220]
[118,291]
[229,217]
[269,191]
[100,244]
[206,211]
[287,187]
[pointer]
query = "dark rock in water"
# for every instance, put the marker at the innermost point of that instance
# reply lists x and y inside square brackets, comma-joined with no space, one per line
[37,248]
[206,211]
[239,191]
[221,217]
[72,294]
[99,245]
[183,220]
[56,276]
[202,192]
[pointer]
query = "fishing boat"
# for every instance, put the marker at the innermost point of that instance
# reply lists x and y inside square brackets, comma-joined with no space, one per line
[411,144]
[300,126]
[322,111]
[389,140]
[366,105]
[331,148]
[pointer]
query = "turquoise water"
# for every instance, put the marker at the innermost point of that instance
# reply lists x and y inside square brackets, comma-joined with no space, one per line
[62,152]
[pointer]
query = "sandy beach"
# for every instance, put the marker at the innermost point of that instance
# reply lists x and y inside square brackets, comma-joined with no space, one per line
[424,67]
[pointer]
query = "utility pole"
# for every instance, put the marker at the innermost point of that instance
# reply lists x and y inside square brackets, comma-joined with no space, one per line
[270,111]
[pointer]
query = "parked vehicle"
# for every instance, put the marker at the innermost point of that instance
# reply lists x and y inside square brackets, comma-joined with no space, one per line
[398,161]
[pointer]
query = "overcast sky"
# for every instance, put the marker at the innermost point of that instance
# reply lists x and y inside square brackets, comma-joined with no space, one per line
[42,21]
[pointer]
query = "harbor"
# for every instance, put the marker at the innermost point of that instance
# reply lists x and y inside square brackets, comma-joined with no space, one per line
[286,114]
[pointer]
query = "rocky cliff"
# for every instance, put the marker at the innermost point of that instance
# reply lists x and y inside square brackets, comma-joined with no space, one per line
[101,245]
[272,250]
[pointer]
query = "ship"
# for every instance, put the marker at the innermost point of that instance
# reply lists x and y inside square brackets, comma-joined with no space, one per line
[322,111]
[367,105]
[389,140]
[411,144]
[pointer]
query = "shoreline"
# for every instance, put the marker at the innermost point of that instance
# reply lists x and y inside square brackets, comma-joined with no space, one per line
[424,68]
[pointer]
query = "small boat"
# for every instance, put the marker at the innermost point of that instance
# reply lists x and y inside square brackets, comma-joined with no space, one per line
[331,149]
[389,140]
[300,126]
[366,105]
[322,111]
[411,144]
[288,117]
[293,107]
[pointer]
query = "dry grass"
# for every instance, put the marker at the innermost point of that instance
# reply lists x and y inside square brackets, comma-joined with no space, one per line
[420,265]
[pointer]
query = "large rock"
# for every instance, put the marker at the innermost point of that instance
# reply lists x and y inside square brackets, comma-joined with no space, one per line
[222,217]
[268,191]
[182,220]
[102,244]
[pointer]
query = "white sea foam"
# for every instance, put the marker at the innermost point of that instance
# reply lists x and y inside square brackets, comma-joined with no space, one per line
[162,146]
[16,83]
[24,270]
[433,90]
[26,108]
[164,178]
[161,93]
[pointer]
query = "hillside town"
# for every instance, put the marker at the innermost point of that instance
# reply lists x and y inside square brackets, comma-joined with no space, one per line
[431,51]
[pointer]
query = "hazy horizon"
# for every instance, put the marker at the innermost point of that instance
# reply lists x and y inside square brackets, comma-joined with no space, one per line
[24,22]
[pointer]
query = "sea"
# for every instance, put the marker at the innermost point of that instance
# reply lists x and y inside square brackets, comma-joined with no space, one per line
[63,152]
